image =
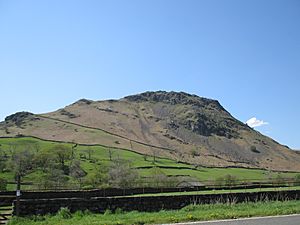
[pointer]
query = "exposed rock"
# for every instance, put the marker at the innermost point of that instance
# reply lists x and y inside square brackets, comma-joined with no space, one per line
[68,114]
[84,101]
[175,98]
[18,118]
[207,117]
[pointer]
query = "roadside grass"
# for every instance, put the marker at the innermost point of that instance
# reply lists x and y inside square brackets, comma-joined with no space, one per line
[189,213]
[101,156]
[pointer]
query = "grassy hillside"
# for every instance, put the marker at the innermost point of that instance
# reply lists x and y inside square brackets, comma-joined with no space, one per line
[173,125]
[94,158]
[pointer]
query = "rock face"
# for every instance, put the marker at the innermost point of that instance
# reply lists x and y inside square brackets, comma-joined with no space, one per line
[206,117]
[18,118]
[175,125]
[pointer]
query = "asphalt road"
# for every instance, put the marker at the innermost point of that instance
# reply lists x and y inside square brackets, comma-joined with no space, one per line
[276,220]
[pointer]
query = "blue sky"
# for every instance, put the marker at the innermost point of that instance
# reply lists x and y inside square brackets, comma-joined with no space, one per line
[246,54]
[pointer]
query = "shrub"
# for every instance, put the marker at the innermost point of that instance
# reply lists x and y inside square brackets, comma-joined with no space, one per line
[230,180]
[279,180]
[107,212]
[190,208]
[219,181]
[118,211]
[64,213]
[297,180]
[3,184]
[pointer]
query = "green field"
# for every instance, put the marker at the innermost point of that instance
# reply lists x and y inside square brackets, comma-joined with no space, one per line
[226,191]
[189,213]
[100,156]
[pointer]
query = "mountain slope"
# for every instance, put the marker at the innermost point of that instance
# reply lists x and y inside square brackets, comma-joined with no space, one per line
[175,125]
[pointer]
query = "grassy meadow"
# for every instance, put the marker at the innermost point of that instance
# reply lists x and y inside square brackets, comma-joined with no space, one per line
[91,157]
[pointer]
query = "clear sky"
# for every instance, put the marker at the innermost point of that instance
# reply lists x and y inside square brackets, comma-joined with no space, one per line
[246,54]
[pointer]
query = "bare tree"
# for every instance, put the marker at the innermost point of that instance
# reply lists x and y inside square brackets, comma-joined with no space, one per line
[22,162]
[121,175]
[90,153]
[76,171]
[110,154]
[154,154]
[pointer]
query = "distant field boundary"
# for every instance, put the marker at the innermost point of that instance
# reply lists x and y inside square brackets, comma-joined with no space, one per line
[108,132]
[145,203]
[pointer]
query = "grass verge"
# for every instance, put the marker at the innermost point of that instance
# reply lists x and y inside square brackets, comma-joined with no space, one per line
[189,213]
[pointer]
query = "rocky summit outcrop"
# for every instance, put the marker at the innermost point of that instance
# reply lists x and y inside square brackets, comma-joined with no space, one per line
[175,125]
[205,116]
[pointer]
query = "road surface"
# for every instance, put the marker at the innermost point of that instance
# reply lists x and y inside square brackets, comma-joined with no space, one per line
[274,220]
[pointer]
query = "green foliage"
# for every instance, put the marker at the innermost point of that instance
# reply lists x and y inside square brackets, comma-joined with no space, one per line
[118,211]
[44,159]
[297,180]
[64,213]
[54,178]
[219,181]
[195,152]
[158,178]
[230,180]
[3,158]
[50,164]
[279,180]
[3,184]
[97,179]
[22,162]
[62,154]
[107,212]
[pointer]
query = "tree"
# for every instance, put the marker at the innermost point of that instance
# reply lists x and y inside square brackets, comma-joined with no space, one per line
[44,159]
[279,180]
[230,180]
[145,157]
[22,162]
[193,152]
[90,153]
[73,151]
[3,158]
[54,178]
[154,154]
[110,154]
[62,154]
[3,184]
[121,175]
[76,171]
[97,179]
[219,181]
[158,177]
[297,180]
